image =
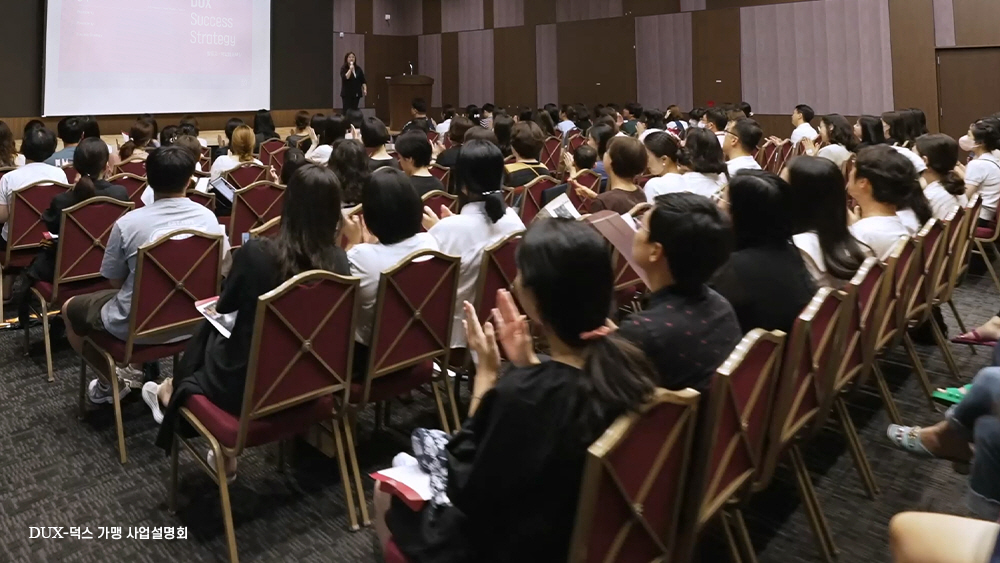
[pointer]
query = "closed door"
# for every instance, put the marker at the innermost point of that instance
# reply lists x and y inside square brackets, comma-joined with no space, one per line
[965,87]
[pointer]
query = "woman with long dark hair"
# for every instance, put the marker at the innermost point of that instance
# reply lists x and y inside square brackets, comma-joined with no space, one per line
[818,204]
[140,137]
[349,162]
[704,163]
[503,126]
[354,86]
[868,131]
[216,366]
[598,137]
[528,432]
[263,127]
[8,150]
[332,129]
[835,131]
[944,189]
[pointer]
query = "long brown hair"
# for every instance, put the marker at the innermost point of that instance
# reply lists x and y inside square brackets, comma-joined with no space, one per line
[8,150]
[310,221]
[139,136]
[89,159]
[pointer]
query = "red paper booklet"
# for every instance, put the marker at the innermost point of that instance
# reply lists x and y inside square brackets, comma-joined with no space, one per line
[619,233]
[408,483]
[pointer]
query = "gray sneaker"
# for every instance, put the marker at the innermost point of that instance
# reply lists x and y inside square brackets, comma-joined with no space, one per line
[100,393]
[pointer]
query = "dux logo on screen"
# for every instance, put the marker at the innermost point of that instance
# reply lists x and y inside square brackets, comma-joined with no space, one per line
[201,3]
[47,533]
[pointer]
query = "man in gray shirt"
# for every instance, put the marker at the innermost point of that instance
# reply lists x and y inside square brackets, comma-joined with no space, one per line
[70,130]
[168,171]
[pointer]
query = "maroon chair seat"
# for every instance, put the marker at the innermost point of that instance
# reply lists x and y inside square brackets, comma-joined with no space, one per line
[285,424]
[47,290]
[985,232]
[395,384]
[140,352]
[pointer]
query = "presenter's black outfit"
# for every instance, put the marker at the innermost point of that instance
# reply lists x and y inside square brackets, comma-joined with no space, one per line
[351,91]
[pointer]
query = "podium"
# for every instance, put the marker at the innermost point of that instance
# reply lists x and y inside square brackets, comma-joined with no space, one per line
[402,90]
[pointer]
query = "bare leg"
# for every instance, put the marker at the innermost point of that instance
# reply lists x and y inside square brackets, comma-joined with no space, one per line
[165,391]
[75,340]
[990,330]
[921,537]
[382,501]
[944,441]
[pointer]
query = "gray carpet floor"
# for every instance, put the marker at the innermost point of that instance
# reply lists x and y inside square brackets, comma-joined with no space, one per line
[56,470]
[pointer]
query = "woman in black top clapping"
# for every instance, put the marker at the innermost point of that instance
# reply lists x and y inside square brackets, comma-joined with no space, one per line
[354,84]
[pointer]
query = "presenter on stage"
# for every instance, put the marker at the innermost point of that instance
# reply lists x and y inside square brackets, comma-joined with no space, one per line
[355,85]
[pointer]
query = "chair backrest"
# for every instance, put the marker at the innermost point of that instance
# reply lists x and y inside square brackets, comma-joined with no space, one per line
[972,210]
[901,271]
[551,153]
[435,199]
[956,242]
[25,225]
[497,271]
[642,180]
[634,480]
[765,152]
[205,160]
[582,204]
[862,297]
[134,186]
[575,141]
[531,197]
[510,159]
[253,206]
[932,238]
[272,154]
[300,352]
[269,229]
[440,172]
[413,314]
[804,393]
[589,179]
[134,166]
[207,200]
[172,273]
[432,136]
[247,174]
[84,230]
[734,426]
[71,174]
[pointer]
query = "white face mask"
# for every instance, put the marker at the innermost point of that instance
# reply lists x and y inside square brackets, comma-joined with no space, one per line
[967,143]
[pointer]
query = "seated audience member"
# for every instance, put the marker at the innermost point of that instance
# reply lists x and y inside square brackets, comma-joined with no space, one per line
[90,159]
[216,366]
[598,137]
[895,128]
[375,135]
[460,125]
[675,121]
[746,109]
[169,171]
[982,174]
[835,131]
[567,119]
[355,121]
[630,118]
[694,117]
[240,152]
[969,427]
[765,280]
[503,128]
[70,131]
[583,158]
[481,134]
[881,182]
[447,113]
[625,159]
[140,139]
[704,164]
[868,132]
[916,537]
[544,121]
[419,121]
[583,119]
[528,431]
[349,162]
[154,138]
[317,123]
[945,189]
[739,139]
[37,146]
[393,215]
[263,128]
[199,182]
[483,220]
[333,129]
[802,120]
[687,330]
[294,159]
[663,150]
[819,211]
[192,122]
[526,143]
[225,141]
[301,131]
[415,158]
[475,114]
[715,120]
[651,121]
[168,135]
[8,150]
[486,122]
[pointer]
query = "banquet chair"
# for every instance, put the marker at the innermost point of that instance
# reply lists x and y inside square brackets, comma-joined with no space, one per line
[247,174]
[433,136]
[84,230]
[171,275]
[730,443]
[765,153]
[588,179]
[205,160]
[71,174]
[986,238]
[298,375]
[642,179]
[134,186]
[961,266]
[207,200]
[944,283]
[25,227]
[436,199]
[900,273]
[134,166]
[441,173]
[496,271]
[551,156]
[253,206]
[575,141]
[531,196]
[510,159]
[267,230]
[272,154]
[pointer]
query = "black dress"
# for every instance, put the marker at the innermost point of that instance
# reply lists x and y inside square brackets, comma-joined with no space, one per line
[514,473]
[216,366]
[352,89]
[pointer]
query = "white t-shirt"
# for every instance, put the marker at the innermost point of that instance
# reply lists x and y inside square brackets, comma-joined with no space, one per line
[648,132]
[879,233]
[22,177]
[227,162]
[910,221]
[918,162]
[148,197]
[703,184]
[941,201]
[368,261]
[802,132]
[666,184]
[984,173]
[838,154]
[319,154]
[742,163]
[565,126]
[812,256]
[467,235]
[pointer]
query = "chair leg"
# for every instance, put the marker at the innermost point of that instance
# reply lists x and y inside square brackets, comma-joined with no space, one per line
[345,476]
[442,415]
[349,436]
[961,325]
[26,343]
[379,406]
[887,400]
[735,553]
[172,486]
[817,520]
[452,401]
[857,452]
[48,340]
[949,358]
[227,511]
[989,262]
[119,427]
[918,366]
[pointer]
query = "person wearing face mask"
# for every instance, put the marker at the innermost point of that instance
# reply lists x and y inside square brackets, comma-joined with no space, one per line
[982,174]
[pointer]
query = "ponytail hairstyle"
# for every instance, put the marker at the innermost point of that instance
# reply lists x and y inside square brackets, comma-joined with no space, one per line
[479,176]
[139,137]
[564,270]
[894,180]
[90,158]
[941,153]
[702,153]
[243,143]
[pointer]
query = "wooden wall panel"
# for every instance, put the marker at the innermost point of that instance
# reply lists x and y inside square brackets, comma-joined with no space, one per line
[406,17]
[429,63]
[721,4]
[592,70]
[488,14]
[299,78]
[475,67]
[575,10]
[432,16]
[944,23]
[538,12]
[976,22]
[363,14]
[514,63]
[914,63]
[715,45]
[650,7]
[663,60]
[386,55]
[692,5]
[508,13]
[461,15]
[547,63]
[343,15]
[449,69]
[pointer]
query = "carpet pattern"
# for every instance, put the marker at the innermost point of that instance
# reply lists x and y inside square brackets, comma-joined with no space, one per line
[56,470]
